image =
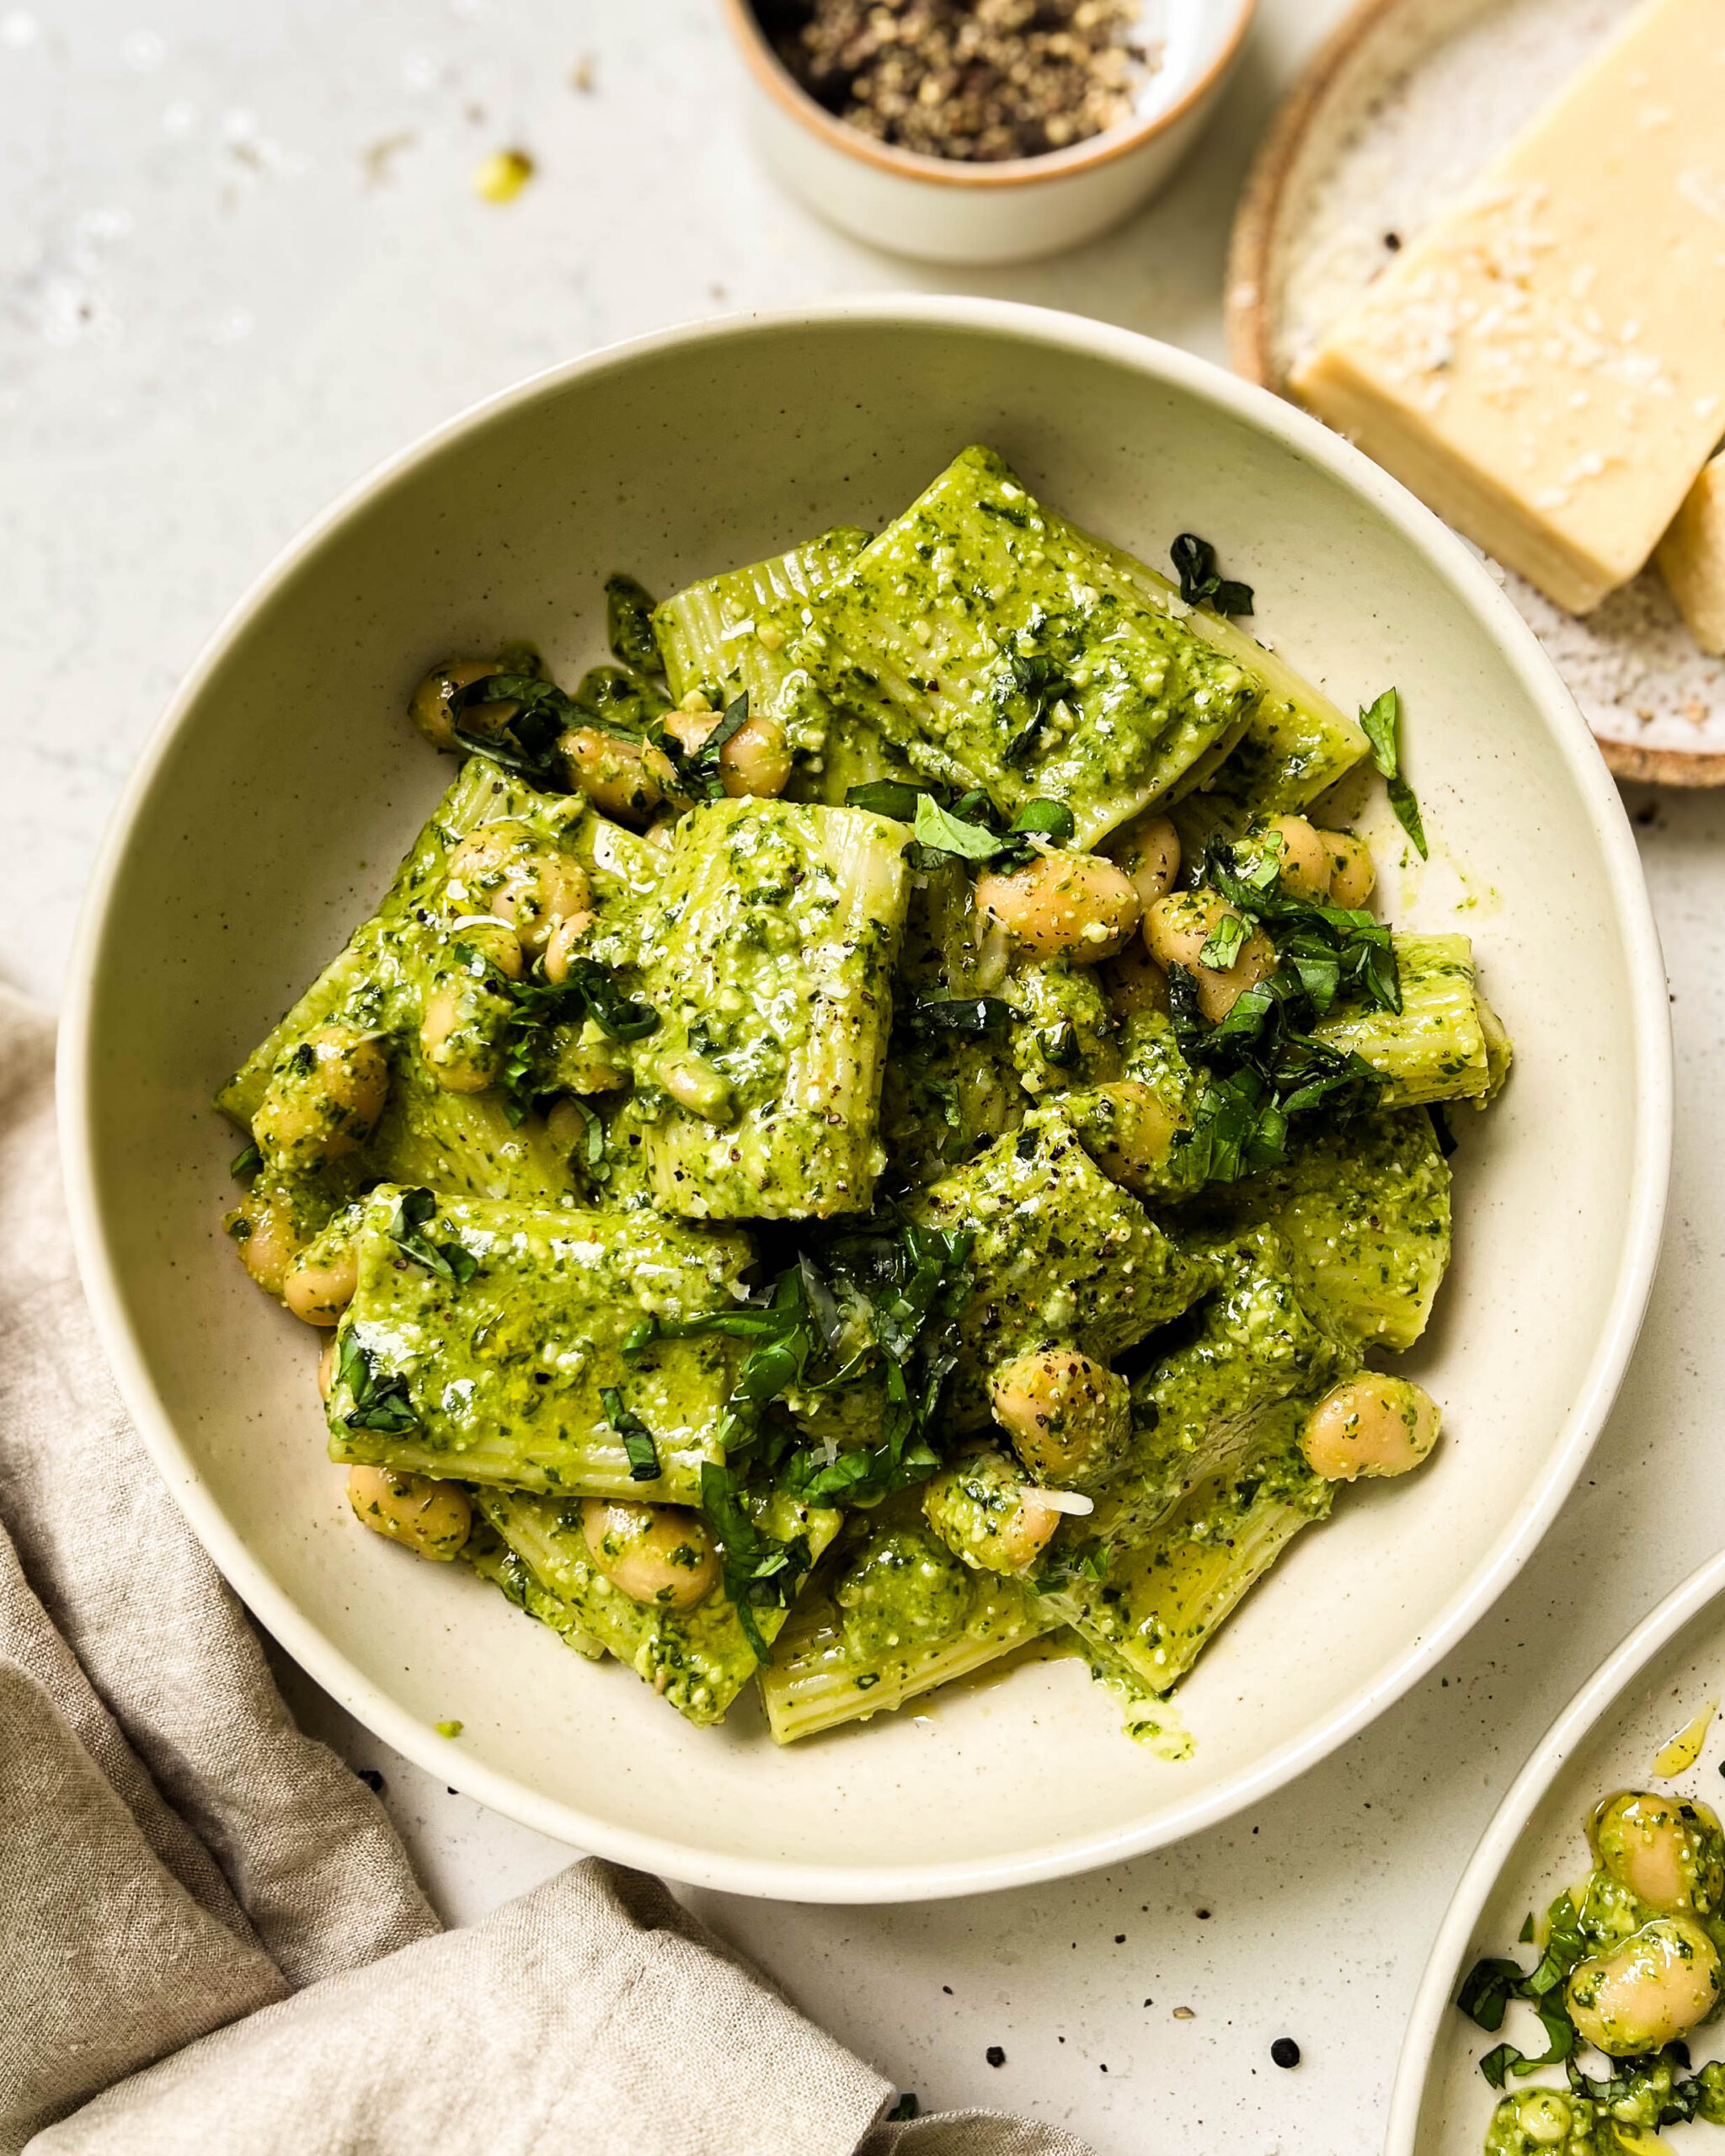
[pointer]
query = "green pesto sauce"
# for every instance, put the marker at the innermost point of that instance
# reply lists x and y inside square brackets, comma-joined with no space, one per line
[1605,1920]
[891,1616]
[768,954]
[999,647]
[903,1591]
[1163,1599]
[505,1373]
[696,1659]
[1365,1214]
[1252,1345]
[753,631]
[1062,1255]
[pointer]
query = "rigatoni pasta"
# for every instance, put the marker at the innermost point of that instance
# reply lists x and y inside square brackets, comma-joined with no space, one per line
[813,1173]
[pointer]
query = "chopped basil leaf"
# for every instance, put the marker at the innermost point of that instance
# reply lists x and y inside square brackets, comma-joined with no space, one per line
[1045,818]
[628,625]
[887,797]
[526,742]
[406,1231]
[1195,564]
[1487,1990]
[246,1165]
[622,1016]
[591,1147]
[1222,945]
[953,1014]
[938,828]
[638,1444]
[379,1403]
[698,771]
[967,828]
[1380,723]
[1029,687]
[759,1571]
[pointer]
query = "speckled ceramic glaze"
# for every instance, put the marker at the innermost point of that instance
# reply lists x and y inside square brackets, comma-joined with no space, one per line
[1670,1669]
[284,781]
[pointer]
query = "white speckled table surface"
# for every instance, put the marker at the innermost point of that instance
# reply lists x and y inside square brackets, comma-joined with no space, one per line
[241,260]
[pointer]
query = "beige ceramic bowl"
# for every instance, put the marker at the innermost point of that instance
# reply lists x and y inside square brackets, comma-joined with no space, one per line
[285,781]
[942,210]
[1667,1673]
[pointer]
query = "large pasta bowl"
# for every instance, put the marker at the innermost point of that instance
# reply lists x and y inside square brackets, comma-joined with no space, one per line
[284,783]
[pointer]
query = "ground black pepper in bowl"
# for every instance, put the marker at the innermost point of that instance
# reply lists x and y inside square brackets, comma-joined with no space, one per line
[978,80]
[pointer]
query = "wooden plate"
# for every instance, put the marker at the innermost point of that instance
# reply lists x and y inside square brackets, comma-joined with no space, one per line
[1398,110]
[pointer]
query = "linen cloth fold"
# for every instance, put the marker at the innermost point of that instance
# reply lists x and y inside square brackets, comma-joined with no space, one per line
[210,1938]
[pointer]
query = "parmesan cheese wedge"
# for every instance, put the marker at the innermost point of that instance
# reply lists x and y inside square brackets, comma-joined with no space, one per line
[1691,557]
[1545,365]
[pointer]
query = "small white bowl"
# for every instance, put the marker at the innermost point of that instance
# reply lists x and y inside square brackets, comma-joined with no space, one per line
[1668,1668]
[944,210]
[284,783]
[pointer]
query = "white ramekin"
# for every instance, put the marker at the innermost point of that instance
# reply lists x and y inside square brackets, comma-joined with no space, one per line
[940,210]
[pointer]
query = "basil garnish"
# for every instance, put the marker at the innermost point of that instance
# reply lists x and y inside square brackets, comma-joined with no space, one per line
[638,1444]
[1195,564]
[414,1213]
[1380,723]
[379,1403]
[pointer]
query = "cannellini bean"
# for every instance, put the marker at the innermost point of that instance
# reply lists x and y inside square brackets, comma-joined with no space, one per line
[691,723]
[465,1013]
[1129,1131]
[1177,928]
[693,1083]
[319,1293]
[1352,878]
[1149,851]
[986,1514]
[1133,981]
[429,1518]
[495,940]
[1075,903]
[1068,1418]
[626,780]
[323,1099]
[757,760]
[1667,1853]
[1543,2119]
[1301,860]
[268,1235]
[1648,1991]
[1370,1425]
[562,944]
[431,708]
[506,868]
[660,1554]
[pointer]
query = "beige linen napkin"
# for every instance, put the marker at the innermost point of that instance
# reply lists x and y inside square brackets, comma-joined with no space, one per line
[210,1937]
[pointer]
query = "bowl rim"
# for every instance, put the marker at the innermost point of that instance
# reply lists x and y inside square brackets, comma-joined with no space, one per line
[777,82]
[1260,412]
[1601,1693]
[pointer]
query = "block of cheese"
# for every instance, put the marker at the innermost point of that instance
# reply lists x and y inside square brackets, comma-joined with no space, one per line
[1545,366]
[1691,557]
